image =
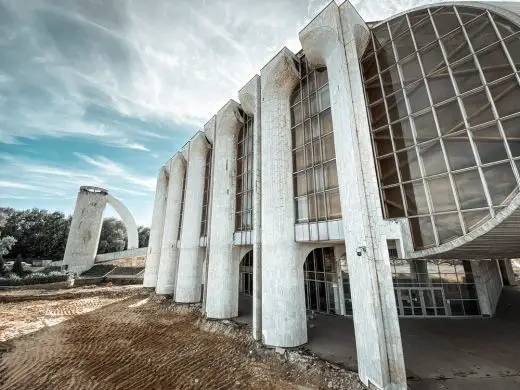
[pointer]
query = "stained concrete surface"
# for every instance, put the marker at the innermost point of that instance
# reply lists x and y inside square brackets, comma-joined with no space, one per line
[454,354]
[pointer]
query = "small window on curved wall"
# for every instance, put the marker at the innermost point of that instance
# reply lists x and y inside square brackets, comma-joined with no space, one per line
[442,86]
[314,157]
[244,181]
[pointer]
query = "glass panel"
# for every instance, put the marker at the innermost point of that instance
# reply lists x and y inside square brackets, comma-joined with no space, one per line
[417,96]
[432,59]
[333,204]
[490,144]
[312,208]
[331,175]
[512,130]
[315,126]
[296,96]
[391,80]
[448,227]
[433,158]
[506,96]
[466,13]
[481,33]
[328,147]
[326,121]
[411,70]
[301,210]
[458,149]
[404,45]
[441,87]
[386,57]
[297,137]
[470,190]
[424,34]
[505,27]
[321,77]
[378,115]
[381,34]
[513,47]
[300,184]
[373,91]
[442,194]
[422,232]
[316,150]
[501,182]
[396,106]
[415,198]
[466,75]
[298,160]
[425,127]
[394,202]
[309,160]
[305,106]
[296,114]
[418,16]
[445,20]
[402,132]
[449,117]
[319,179]
[478,108]
[473,219]
[388,170]
[494,63]
[398,26]
[408,165]
[324,98]
[310,181]
[456,46]
[320,204]
[383,142]
[314,104]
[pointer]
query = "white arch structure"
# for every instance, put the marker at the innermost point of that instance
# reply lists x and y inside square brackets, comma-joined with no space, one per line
[85,228]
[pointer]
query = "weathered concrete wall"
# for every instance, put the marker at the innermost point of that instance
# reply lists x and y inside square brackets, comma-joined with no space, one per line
[488,283]
[85,230]
[104,257]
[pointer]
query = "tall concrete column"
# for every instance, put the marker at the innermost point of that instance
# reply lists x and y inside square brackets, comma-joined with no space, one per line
[284,321]
[167,275]
[153,256]
[331,40]
[85,230]
[508,274]
[249,97]
[222,287]
[189,275]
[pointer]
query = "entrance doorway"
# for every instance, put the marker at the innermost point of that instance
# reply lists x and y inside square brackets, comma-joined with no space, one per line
[321,281]
[420,302]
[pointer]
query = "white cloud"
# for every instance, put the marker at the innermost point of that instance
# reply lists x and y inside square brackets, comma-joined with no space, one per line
[18,185]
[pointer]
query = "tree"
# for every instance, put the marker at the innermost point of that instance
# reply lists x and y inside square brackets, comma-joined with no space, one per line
[113,236]
[6,243]
[144,236]
[18,266]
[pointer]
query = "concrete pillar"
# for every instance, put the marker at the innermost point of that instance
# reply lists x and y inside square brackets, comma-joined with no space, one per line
[189,275]
[480,276]
[249,97]
[332,39]
[167,276]
[222,287]
[284,322]
[153,256]
[339,252]
[508,274]
[85,230]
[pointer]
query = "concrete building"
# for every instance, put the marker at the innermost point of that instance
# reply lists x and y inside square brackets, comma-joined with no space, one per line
[374,174]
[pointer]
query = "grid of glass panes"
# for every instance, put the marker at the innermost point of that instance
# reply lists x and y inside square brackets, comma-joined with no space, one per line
[205,196]
[244,186]
[442,85]
[454,277]
[246,274]
[314,157]
[320,278]
[182,204]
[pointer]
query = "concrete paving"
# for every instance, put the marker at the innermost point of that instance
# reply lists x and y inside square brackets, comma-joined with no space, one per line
[454,354]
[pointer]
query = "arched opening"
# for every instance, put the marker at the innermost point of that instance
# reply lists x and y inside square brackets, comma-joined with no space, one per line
[245,285]
[322,292]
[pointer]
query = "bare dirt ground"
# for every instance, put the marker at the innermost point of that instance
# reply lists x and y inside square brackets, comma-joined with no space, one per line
[140,342]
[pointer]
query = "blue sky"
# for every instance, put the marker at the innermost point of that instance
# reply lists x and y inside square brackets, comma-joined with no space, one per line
[103,92]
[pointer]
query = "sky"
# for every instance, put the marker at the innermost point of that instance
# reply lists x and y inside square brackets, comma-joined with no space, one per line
[104,92]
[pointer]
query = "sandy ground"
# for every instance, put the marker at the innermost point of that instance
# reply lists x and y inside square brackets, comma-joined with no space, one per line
[123,339]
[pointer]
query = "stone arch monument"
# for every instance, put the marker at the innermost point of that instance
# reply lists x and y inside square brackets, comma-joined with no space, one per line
[85,228]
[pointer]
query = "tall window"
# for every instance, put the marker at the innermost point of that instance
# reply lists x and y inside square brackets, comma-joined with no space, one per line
[244,186]
[246,274]
[321,281]
[182,204]
[205,196]
[314,157]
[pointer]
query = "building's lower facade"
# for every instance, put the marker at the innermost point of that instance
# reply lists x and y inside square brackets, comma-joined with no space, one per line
[373,174]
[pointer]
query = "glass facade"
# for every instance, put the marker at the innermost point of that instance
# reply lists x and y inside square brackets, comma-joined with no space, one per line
[321,283]
[205,196]
[181,216]
[314,156]
[244,183]
[442,86]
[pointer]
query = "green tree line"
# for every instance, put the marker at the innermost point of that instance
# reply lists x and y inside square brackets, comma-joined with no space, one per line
[42,234]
